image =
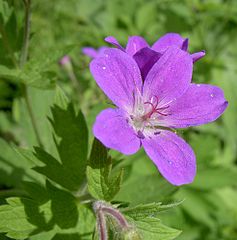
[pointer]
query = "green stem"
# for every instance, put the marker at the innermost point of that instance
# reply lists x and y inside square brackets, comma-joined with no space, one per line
[32,117]
[23,59]
[24,51]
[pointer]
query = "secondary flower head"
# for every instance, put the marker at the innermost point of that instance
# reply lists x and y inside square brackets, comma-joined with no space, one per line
[92,52]
[146,56]
[148,108]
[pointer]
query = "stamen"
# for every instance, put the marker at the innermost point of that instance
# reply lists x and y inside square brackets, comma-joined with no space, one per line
[155,109]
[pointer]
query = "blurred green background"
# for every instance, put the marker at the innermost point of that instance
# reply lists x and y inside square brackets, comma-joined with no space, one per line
[209,210]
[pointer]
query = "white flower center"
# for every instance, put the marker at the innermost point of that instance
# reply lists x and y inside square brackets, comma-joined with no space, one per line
[146,114]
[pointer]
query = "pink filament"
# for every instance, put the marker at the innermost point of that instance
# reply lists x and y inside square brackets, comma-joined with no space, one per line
[155,109]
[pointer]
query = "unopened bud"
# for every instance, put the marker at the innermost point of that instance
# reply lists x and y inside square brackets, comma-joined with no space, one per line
[131,234]
[65,62]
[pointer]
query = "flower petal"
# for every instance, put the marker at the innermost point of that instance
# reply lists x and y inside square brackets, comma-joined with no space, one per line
[169,77]
[112,129]
[201,103]
[173,157]
[112,40]
[168,40]
[135,43]
[198,55]
[118,76]
[145,59]
[90,52]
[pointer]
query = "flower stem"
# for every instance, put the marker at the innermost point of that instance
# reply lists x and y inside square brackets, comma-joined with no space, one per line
[103,209]
[25,47]
[117,216]
[23,59]
[32,116]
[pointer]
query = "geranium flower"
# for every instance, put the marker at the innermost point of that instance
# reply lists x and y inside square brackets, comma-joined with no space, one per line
[148,109]
[147,56]
[92,52]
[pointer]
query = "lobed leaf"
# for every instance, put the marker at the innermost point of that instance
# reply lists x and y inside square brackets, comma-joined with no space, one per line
[101,184]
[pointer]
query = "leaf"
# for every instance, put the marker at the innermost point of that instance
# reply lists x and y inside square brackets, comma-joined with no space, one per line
[147,210]
[68,169]
[63,206]
[146,189]
[197,206]
[212,178]
[10,74]
[151,228]
[5,12]
[145,15]
[37,72]
[14,168]
[14,219]
[101,184]
[59,215]
[40,100]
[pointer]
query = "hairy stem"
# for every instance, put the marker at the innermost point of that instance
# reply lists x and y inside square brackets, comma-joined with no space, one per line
[102,209]
[117,216]
[23,59]
[101,225]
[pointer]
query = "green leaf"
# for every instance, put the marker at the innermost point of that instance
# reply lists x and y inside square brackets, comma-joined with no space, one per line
[101,183]
[14,168]
[68,169]
[37,71]
[5,11]
[146,189]
[10,74]
[151,228]
[147,210]
[212,178]
[145,15]
[15,219]
[59,214]
[197,206]
[40,100]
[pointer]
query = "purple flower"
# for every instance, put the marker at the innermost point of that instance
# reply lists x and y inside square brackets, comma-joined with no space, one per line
[147,56]
[147,110]
[65,60]
[92,52]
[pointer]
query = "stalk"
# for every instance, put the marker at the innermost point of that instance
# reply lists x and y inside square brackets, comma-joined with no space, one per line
[23,59]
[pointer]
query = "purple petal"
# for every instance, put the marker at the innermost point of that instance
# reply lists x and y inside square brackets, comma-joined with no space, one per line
[90,52]
[168,40]
[198,55]
[185,45]
[112,40]
[65,60]
[112,129]
[118,76]
[173,157]
[135,43]
[145,59]
[169,77]
[201,103]
[93,53]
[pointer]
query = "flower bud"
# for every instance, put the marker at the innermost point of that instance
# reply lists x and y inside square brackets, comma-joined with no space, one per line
[131,234]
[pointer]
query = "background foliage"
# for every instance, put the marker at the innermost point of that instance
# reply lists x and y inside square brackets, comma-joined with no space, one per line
[209,209]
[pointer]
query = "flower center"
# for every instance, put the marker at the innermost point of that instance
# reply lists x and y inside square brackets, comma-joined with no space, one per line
[146,115]
[154,109]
